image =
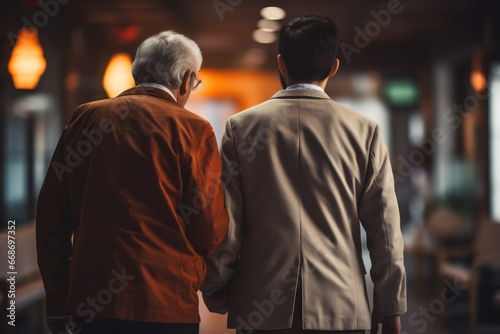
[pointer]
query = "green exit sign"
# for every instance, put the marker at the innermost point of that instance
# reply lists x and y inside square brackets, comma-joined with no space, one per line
[401,92]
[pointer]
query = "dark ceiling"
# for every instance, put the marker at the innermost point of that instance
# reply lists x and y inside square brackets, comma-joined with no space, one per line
[417,31]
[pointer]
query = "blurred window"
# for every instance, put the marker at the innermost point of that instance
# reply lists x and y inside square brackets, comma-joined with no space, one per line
[495,142]
[32,128]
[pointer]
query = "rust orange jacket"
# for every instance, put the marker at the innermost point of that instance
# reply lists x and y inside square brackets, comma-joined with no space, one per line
[131,208]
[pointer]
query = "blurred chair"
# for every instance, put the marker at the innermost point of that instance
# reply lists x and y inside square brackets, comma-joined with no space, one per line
[454,245]
[487,254]
[463,251]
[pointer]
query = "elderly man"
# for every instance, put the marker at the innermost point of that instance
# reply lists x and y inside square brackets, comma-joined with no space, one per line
[304,172]
[132,206]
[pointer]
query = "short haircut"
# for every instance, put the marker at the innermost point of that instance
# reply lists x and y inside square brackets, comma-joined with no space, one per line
[165,58]
[308,45]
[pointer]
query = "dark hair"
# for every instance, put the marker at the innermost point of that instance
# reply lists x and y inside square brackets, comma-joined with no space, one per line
[308,45]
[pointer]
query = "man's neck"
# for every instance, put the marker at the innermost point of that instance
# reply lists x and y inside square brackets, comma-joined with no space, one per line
[310,86]
[170,91]
[321,84]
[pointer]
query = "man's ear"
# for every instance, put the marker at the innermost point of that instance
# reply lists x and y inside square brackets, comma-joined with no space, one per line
[335,68]
[281,64]
[185,84]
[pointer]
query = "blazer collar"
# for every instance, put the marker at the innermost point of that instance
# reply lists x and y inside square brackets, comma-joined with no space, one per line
[151,91]
[301,93]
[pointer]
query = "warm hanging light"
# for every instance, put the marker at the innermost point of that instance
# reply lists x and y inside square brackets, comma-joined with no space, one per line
[477,78]
[478,81]
[118,75]
[26,64]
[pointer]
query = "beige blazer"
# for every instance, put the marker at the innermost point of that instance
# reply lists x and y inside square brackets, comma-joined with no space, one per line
[300,173]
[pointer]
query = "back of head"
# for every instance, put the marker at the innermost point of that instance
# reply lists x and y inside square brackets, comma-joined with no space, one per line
[308,45]
[165,58]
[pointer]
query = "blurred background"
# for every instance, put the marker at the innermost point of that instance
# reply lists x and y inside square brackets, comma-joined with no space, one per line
[427,70]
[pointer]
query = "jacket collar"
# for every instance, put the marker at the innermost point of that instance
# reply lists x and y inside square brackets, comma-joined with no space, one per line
[301,93]
[151,91]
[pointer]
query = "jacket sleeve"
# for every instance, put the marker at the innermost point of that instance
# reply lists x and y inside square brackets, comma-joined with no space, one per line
[203,199]
[225,259]
[54,230]
[379,215]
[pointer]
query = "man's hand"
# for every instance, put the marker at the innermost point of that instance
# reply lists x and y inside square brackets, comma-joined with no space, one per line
[216,303]
[60,325]
[391,324]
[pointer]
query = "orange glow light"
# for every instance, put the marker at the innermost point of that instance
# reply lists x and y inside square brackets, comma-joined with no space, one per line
[118,75]
[246,87]
[478,81]
[27,64]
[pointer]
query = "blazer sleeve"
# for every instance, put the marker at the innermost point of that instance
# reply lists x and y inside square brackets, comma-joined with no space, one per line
[203,199]
[225,259]
[54,230]
[379,215]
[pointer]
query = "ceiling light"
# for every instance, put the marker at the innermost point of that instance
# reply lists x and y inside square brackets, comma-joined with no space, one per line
[268,25]
[273,13]
[264,37]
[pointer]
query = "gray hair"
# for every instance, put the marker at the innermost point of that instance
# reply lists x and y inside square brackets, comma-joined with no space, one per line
[165,58]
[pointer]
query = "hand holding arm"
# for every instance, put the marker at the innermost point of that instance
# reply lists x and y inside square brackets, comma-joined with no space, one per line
[225,259]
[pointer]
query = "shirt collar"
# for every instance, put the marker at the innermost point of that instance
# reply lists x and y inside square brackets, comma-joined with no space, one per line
[155,85]
[305,86]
